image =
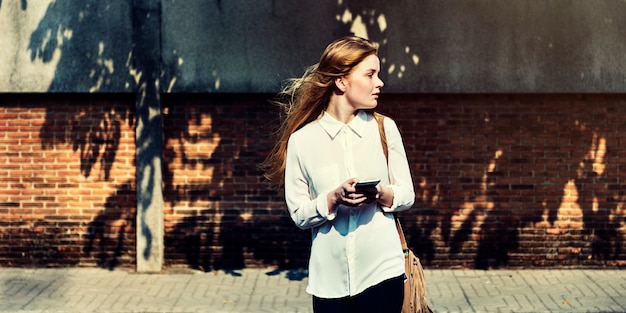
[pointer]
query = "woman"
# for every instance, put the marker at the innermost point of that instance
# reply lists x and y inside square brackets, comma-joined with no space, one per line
[329,141]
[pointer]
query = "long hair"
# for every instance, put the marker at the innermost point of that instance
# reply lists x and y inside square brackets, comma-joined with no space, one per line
[304,99]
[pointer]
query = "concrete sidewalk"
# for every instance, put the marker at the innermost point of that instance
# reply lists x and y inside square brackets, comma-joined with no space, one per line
[258,290]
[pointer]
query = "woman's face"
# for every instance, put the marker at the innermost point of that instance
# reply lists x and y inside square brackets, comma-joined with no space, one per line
[362,85]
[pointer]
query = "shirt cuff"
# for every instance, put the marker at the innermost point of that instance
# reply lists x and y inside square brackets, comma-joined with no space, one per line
[394,203]
[322,208]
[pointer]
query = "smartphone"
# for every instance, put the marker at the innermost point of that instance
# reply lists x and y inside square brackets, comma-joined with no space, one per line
[366,183]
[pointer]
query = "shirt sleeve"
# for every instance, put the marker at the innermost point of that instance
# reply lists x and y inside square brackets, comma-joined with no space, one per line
[305,211]
[399,172]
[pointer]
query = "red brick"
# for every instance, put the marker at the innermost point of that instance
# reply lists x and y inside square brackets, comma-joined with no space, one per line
[208,191]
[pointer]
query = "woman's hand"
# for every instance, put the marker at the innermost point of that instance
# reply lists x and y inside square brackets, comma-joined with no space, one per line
[348,195]
[384,195]
[345,194]
[380,193]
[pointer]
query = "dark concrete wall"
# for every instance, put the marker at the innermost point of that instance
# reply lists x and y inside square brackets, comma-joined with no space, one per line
[238,46]
[426,46]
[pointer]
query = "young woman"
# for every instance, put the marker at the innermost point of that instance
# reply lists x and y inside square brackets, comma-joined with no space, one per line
[329,141]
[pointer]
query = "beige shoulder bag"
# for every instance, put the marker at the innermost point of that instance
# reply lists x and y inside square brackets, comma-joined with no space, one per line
[415,286]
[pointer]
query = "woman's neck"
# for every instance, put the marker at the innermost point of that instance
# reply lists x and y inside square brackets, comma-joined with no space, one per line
[341,112]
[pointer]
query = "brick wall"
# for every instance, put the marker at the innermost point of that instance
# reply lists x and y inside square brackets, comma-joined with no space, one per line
[219,210]
[66,180]
[501,180]
[516,180]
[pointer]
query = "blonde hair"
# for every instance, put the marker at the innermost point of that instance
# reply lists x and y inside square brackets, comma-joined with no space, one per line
[304,99]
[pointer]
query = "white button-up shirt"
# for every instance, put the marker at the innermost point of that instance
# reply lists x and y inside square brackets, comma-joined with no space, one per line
[354,247]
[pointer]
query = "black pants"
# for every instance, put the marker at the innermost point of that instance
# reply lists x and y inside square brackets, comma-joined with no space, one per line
[385,297]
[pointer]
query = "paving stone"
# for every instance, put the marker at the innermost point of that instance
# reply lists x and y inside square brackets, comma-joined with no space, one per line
[89,290]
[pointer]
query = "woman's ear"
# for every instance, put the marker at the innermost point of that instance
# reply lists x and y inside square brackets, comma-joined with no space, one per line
[340,83]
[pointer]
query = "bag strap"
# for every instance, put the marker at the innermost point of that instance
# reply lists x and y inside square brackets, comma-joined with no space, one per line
[383,139]
[405,246]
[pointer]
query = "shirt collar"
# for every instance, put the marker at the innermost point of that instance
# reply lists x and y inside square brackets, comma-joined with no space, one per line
[333,126]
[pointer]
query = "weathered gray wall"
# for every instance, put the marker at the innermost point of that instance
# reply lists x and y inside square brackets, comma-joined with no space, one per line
[239,46]
[66,46]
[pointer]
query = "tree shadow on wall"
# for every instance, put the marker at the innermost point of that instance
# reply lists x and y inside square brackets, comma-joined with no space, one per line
[79,37]
[517,186]
[92,130]
[112,233]
[232,216]
[601,218]
[230,219]
[87,39]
